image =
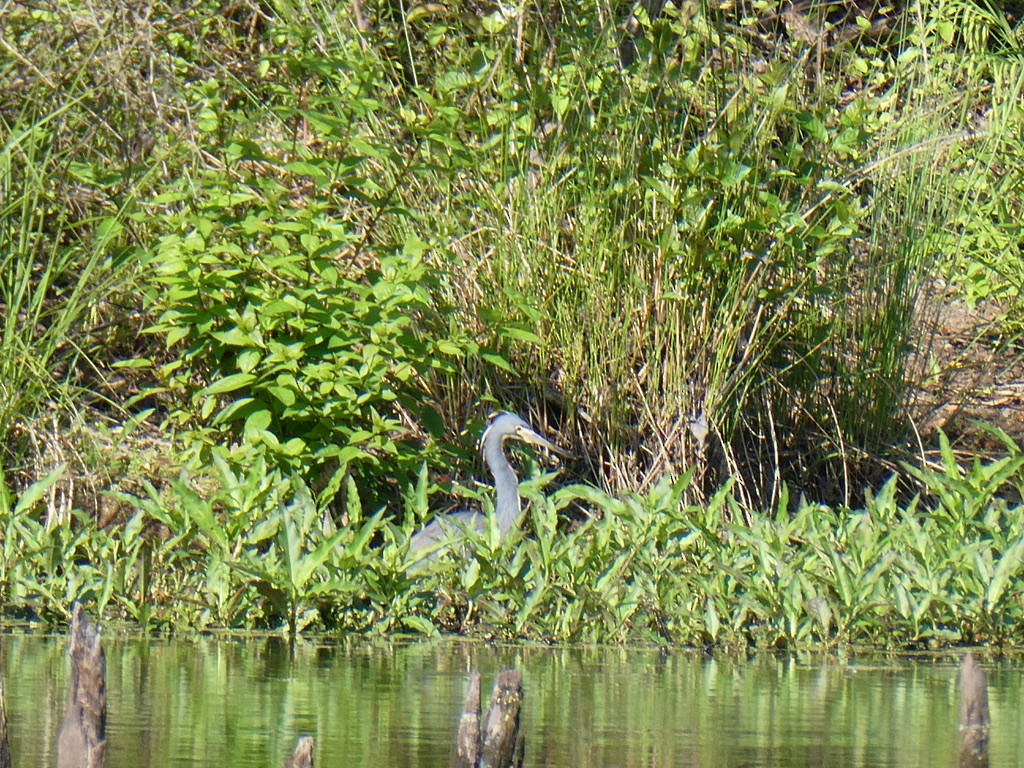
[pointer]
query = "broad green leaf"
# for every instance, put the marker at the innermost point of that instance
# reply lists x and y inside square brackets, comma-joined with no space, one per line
[498,361]
[420,624]
[229,383]
[31,496]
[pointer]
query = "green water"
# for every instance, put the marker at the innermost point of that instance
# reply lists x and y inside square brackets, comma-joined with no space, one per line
[242,703]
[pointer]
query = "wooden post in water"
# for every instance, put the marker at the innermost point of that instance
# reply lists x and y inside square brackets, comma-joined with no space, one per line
[467,740]
[82,739]
[503,746]
[498,743]
[302,757]
[974,715]
[5,747]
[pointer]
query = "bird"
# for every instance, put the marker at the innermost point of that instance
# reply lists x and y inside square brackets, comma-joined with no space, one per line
[426,543]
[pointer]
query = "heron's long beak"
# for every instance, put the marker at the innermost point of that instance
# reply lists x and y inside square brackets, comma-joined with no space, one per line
[532,437]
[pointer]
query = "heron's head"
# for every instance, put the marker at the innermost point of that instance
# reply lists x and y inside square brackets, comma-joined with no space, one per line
[508,425]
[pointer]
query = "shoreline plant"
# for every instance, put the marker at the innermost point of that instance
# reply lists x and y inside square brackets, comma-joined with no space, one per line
[311,245]
[938,572]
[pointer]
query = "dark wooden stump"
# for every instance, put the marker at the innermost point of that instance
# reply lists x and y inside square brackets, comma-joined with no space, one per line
[82,739]
[502,745]
[302,757]
[498,742]
[974,715]
[5,748]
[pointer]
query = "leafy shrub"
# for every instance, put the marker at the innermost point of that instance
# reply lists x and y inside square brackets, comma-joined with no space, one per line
[295,344]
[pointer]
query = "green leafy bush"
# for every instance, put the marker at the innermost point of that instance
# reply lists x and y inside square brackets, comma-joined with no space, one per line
[290,341]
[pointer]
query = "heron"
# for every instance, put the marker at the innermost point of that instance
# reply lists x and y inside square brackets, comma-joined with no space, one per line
[507,507]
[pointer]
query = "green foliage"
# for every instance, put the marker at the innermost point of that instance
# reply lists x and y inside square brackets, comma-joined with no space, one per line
[711,253]
[47,563]
[284,573]
[981,179]
[23,534]
[259,552]
[293,290]
[709,225]
[655,569]
[56,270]
[294,347]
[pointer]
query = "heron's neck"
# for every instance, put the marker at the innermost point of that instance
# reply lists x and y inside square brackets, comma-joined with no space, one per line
[506,488]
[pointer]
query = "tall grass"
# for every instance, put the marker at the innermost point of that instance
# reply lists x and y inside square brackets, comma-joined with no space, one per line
[716,264]
[76,136]
[56,270]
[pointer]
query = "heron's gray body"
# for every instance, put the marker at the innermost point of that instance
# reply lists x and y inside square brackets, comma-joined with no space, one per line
[507,507]
[448,528]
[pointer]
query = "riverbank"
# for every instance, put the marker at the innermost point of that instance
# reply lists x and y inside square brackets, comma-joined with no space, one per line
[267,271]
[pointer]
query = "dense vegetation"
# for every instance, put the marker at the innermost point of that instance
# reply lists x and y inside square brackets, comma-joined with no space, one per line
[260,264]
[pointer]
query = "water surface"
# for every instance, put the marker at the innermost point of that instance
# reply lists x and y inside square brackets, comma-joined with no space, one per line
[221,703]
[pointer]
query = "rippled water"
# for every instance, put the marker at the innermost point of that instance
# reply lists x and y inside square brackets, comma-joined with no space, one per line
[225,703]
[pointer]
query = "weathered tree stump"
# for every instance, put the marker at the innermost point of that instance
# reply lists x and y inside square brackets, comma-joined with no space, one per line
[302,757]
[502,745]
[82,739]
[5,747]
[498,743]
[974,715]
[467,740]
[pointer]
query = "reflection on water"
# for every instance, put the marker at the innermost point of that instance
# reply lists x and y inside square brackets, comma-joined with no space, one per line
[369,704]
